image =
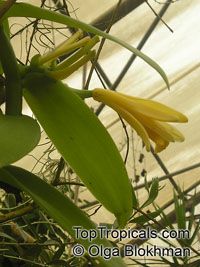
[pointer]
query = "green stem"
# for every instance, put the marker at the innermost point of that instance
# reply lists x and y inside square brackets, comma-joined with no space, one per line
[53,54]
[62,50]
[12,75]
[72,39]
[82,93]
[77,55]
[64,73]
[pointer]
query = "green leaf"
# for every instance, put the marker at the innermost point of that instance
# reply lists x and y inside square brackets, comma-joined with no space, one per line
[194,235]
[10,200]
[192,218]
[82,141]
[6,28]
[176,263]
[2,92]
[167,261]
[18,136]
[143,218]
[58,206]
[4,235]
[165,220]
[27,10]
[134,199]
[153,193]
[1,70]
[180,211]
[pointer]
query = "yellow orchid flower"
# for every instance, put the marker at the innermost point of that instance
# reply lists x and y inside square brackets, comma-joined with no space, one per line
[149,118]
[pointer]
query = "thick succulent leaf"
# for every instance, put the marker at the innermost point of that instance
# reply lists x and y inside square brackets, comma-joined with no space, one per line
[18,136]
[27,10]
[82,141]
[58,206]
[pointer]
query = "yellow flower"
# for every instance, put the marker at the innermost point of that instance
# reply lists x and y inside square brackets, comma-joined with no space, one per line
[149,118]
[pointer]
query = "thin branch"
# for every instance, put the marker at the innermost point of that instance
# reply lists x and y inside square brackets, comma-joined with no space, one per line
[16,213]
[157,15]
[133,57]
[90,204]
[162,178]
[194,200]
[102,43]
[165,170]
[60,168]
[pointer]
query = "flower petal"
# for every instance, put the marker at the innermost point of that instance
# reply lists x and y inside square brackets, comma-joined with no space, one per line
[106,96]
[174,132]
[163,129]
[160,143]
[154,109]
[134,123]
[147,117]
[150,108]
